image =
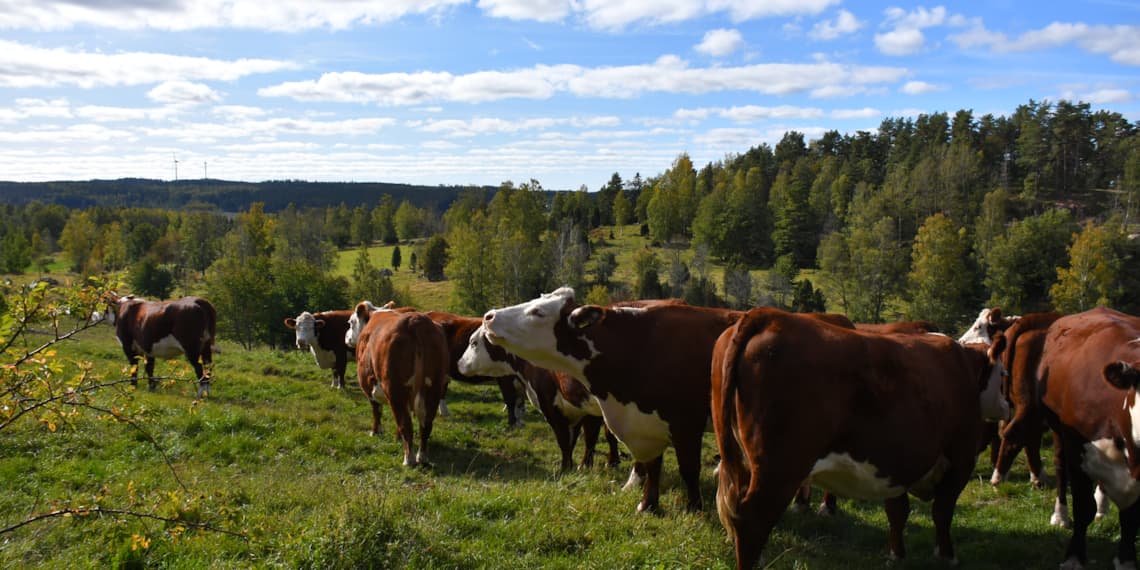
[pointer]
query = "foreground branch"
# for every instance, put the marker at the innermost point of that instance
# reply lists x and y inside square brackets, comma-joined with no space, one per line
[85,511]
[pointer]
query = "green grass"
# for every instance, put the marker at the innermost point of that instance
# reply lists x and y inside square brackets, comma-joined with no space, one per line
[279,456]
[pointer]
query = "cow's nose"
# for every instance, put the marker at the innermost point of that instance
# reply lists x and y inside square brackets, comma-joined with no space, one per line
[490,316]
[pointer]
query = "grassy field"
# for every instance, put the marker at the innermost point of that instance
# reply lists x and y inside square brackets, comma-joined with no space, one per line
[278,456]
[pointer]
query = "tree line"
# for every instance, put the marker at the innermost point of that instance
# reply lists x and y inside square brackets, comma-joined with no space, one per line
[925,218]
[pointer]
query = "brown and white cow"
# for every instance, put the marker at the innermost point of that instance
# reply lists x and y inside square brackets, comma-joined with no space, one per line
[989,322]
[564,402]
[1087,381]
[163,329]
[647,367]
[323,334]
[404,355]
[866,415]
[458,331]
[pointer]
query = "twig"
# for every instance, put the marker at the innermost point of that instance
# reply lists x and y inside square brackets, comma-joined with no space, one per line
[84,511]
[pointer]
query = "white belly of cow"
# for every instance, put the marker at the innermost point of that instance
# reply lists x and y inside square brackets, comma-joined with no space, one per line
[1107,464]
[646,435]
[166,347]
[325,358]
[840,473]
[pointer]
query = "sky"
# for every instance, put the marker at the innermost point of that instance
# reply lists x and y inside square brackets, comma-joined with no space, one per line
[564,92]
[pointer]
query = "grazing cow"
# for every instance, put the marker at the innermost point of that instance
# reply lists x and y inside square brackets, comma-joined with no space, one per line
[866,415]
[405,355]
[164,329]
[902,327]
[323,334]
[1087,381]
[647,367]
[565,402]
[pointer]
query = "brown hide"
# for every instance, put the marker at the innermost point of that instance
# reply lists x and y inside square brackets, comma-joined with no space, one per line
[900,402]
[904,327]
[406,355]
[1081,406]
[140,325]
[458,331]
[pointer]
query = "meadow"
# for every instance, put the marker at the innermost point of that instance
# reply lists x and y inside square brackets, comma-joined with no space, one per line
[281,465]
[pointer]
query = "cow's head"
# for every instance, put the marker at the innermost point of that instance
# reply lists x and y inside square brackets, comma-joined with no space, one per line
[359,318]
[994,405]
[483,358]
[108,309]
[550,331]
[306,325]
[988,323]
[1122,374]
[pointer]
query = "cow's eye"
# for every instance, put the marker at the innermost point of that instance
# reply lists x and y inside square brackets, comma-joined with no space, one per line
[534,313]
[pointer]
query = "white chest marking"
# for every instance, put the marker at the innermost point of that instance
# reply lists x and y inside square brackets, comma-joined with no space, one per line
[1134,414]
[646,435]
[325,358]
[840,473]
[166,347]
[1105,463]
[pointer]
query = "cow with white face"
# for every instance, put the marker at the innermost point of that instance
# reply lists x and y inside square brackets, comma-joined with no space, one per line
[323,334]
[564,402]
[989,322]
[647,366]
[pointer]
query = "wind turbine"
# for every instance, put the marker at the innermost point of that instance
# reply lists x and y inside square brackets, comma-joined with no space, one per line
[175,157]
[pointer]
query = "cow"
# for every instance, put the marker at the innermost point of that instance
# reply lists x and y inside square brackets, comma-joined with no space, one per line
[646,366]
[405,355]
[989,322]
[564,402]
[163,329]
[1087,382]
[458,331]
[867,415]
[323,334]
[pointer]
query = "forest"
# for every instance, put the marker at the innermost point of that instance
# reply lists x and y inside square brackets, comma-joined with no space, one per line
[926,218]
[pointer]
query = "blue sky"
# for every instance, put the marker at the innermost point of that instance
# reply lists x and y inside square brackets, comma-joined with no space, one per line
[565,92]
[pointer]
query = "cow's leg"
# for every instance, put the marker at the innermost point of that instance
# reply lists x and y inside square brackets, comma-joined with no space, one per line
[511,396]
[651,497]
[1102,503]
[563,433]
[1084,506]
[636,476]
[399,403]
[946,498]
[828,506]
[898,508]
[802,499]
[688,450]
[590,426]
[133,362]
[768,495]
[1060,507]
[340,364]
[1033,459]
[1007,453]
[150,380]
[426,407]
[1126,548]
[614,459]
[202,376]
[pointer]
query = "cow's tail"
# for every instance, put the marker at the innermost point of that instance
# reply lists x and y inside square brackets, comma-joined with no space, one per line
[210,331]
[421,329]
[734,472]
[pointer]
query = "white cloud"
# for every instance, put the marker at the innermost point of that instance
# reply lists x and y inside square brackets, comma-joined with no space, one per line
[864,113]
[919,87]
[1120,43]
[183,93]
[617,14]
[25,66]
[280,15]
[750,113]
[720,43]
[906,36]
[668,74]
[537,10]
[845,23]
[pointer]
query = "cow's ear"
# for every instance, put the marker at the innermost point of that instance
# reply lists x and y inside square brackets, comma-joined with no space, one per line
[995,316]
[997,347]
[586,315]
[363,312]
[1122,375]
[318,323]
[291,323]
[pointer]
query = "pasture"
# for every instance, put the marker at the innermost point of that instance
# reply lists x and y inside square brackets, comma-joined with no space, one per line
[278,456]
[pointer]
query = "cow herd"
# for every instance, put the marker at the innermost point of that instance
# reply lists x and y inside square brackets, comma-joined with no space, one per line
[861,411]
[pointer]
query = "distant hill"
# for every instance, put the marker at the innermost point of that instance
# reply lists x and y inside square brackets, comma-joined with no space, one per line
[225,195]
